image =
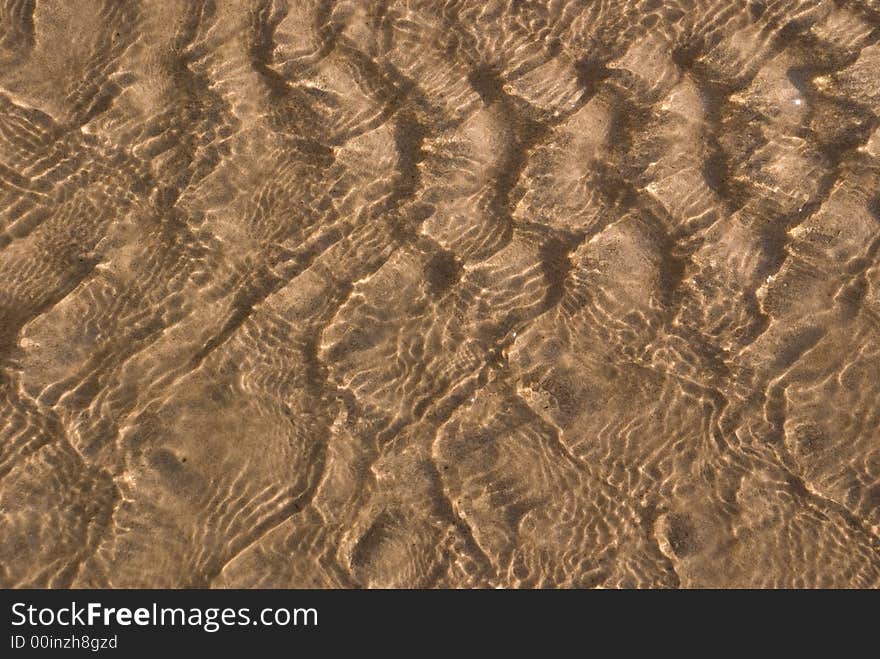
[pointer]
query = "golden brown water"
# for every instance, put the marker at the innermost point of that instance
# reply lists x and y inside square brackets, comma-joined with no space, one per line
[440,293]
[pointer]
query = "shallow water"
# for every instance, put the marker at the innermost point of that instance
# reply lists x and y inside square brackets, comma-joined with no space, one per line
[440,293]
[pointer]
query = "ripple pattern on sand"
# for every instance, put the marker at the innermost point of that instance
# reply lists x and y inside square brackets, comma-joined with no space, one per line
[440,293]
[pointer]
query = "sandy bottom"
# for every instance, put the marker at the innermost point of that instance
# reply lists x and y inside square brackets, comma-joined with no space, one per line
[440,293]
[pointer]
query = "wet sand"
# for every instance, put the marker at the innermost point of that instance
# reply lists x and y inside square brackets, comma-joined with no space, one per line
[440,293]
